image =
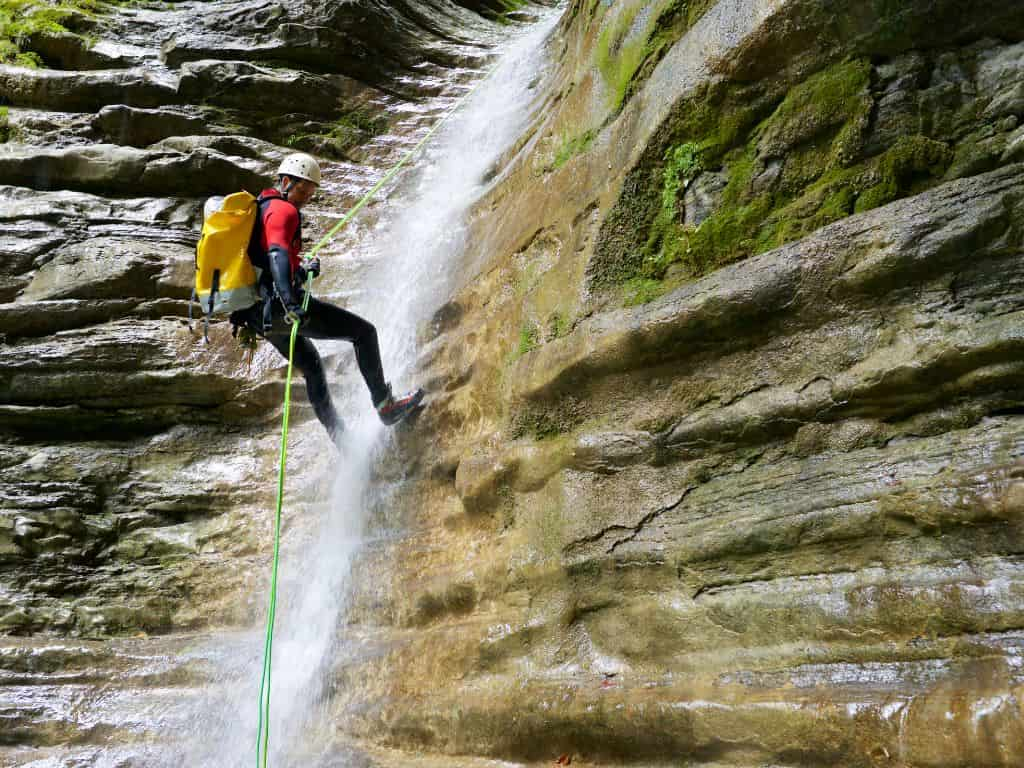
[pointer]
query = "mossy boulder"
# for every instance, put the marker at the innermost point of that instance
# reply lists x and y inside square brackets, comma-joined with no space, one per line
[852,136]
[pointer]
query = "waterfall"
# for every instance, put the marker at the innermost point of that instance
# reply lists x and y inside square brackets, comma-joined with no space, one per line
[412,249]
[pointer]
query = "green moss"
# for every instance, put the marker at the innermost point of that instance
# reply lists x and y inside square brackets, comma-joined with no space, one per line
[20,20]
[529,338]
[682,163]
[352,128]
[508,7]
[569,147]
[814,131]
[5,125]
[544,422]
[913,161]
[558,325]
[626,56]
[670,24]
[837,97]
[361,119]
[619,54]
[641,290]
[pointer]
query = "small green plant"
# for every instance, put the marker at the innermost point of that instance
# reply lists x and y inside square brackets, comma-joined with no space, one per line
[360,119]
[558,325]
[20,20]
[618,58]
[572,146]
[682,163]
[5,126]
[529,338]
[641,290]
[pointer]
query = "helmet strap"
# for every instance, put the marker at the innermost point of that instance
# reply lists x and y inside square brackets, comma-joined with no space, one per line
[286,187]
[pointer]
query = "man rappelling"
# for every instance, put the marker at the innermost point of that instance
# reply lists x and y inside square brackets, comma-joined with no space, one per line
[274,249]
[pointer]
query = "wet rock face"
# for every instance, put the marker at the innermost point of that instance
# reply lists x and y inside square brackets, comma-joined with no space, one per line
[136,460]
[723,457]
[759,509]
[847,138]
[132,452]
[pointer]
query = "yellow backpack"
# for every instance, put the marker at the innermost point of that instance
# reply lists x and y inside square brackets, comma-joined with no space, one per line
[225,277]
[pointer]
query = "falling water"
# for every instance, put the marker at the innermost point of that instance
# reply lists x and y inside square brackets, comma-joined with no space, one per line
[413,247]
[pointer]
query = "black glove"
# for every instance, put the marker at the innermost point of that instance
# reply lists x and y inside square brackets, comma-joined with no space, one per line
[309,268]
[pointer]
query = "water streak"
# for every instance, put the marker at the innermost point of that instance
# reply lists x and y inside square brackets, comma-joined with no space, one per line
[418,237]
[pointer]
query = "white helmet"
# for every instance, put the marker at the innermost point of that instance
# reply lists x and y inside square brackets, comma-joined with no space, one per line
[300,167]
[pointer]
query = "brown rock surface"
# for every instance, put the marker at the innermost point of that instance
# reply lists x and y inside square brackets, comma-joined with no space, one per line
[723,459]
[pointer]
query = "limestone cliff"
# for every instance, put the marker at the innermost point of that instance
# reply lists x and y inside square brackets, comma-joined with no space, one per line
[722,463]
[730,442]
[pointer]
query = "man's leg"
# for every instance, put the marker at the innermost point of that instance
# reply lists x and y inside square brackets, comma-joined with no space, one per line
[327,321]
[307,360]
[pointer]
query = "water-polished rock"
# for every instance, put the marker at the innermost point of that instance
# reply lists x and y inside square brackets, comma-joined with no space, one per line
[109,268]
[136,127]
[269,91]
[84,91]
[118,170]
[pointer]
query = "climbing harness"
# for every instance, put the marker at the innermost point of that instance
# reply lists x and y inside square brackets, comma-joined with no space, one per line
[263,734]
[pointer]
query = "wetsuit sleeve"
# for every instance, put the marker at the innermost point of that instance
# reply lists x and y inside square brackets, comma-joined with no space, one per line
[280,225]
[281,272]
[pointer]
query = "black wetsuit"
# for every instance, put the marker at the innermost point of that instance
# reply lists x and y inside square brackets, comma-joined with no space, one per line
[321,321]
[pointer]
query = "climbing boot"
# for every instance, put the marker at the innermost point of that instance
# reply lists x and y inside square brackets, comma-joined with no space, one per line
[393,409]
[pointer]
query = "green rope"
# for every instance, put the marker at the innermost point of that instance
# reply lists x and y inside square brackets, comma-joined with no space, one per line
[263,734]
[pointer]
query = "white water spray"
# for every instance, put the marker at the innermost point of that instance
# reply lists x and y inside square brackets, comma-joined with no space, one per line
[418,239]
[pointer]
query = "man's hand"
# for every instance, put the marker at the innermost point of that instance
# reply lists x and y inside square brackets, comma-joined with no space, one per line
[308,269]
[295,314]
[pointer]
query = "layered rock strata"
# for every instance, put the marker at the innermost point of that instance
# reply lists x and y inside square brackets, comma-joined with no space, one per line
[730,456]
[136,461]
[723,459]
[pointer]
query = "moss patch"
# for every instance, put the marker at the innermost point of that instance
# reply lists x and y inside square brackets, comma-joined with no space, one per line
[529,339]
[619,54]
[641,290]
[559,325]
[352,128]
[569,147]
[508,7]
[5,125]
[793,165]
[816,129]
[629,47]
[20,20]
[910,164]
[541,423]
